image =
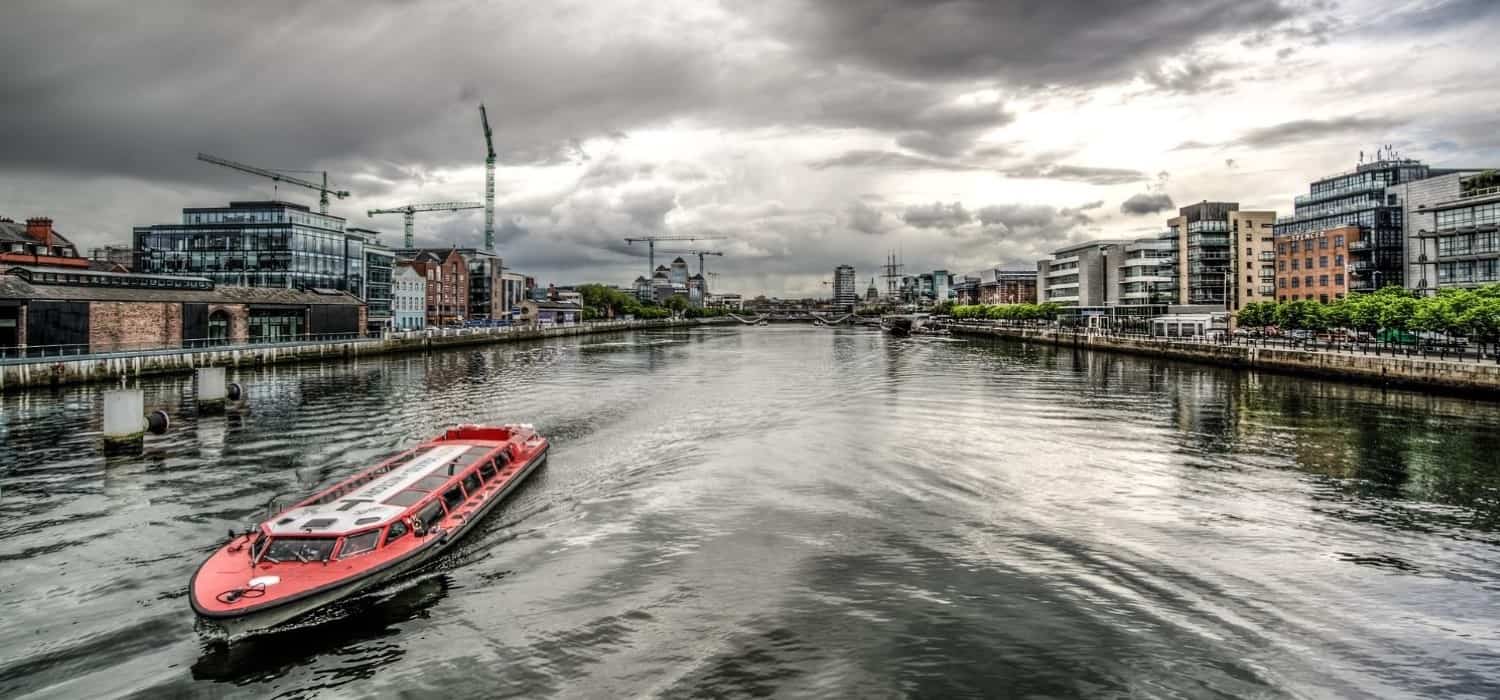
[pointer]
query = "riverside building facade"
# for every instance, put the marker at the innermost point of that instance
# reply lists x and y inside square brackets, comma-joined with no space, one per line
[1077,275]
[1203,252]
[1252,254]
[1460,238]
[1359,198]
[256,244]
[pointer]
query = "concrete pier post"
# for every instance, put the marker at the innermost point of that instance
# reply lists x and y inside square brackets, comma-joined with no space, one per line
[124,417]
[211,389]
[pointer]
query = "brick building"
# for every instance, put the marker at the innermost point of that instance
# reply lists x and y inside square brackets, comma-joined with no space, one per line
[447,275]
[36,243]
[1007,287]
[1315,265]
[51,310]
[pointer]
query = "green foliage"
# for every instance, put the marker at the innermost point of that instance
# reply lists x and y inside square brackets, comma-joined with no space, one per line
[1007,312]
[1391,312]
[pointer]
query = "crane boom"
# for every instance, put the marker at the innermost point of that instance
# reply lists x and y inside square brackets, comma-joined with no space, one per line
[323,190]
[650,242]
[489,181]
[409,212]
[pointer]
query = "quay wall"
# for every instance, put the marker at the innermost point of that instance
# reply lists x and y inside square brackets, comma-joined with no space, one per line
[15,376]
[1470,377]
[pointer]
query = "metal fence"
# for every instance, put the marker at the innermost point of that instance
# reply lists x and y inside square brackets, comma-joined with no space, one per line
[1450,352]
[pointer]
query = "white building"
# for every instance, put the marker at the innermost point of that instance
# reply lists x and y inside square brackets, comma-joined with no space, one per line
[408,299]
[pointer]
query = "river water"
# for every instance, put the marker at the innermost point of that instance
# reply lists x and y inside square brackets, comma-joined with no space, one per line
[791,511]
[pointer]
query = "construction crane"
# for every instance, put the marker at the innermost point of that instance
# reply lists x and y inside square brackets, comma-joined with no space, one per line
[279,177]
[410,212]
[650,242]
[489,182]
[699,253]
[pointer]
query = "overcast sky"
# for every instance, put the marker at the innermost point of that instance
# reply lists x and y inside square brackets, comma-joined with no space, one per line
[806,133]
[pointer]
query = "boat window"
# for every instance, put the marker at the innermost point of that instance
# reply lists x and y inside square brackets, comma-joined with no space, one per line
[259,547]
[453,497]
[471,482]
[396,532]
[302,549]
[487,469]
[431,483]
[405,498]
[359,544]
[430,515]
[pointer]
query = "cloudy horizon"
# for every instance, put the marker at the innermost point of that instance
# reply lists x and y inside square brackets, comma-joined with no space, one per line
[803,134]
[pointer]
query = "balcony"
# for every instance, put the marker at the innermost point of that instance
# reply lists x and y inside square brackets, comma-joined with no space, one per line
[1361,266]
[1267,256]
[1361,244]
[1267,290]
[1268,279]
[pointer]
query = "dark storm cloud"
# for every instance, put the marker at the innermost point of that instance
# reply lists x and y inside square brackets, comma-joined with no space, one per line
[1146,203]
[1077,173]
[137,88]
[1070,42]
[937,215]
[1303,130]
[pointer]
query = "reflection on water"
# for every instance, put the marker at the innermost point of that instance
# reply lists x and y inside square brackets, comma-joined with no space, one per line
[792,511]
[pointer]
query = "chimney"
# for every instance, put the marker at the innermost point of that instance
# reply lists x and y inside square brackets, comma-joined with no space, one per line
[40,230]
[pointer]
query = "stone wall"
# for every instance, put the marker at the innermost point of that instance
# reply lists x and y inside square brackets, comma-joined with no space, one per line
[115,325]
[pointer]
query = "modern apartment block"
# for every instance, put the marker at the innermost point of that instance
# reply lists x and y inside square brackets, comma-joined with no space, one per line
[1078,275]
[1252,258]
[1359,198]
[1417,199]
[1147,270]
[1460,238]
[1203,252]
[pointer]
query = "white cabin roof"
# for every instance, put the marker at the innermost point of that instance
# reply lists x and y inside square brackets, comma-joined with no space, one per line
[365,506]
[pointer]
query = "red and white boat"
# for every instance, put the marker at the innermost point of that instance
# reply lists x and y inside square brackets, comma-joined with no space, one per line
[368,529]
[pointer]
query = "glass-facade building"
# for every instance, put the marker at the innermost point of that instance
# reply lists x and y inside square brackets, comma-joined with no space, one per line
[1359,198]
[1465,234]
[257,244]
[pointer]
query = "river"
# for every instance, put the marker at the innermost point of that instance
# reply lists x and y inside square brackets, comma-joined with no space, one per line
[791,511]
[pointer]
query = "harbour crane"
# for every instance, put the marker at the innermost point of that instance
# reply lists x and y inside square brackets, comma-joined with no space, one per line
[650,242]
[699,253]
[489,182]
[323,190]
[410,212]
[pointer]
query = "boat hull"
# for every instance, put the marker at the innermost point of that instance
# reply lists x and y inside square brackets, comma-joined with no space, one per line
[265,618]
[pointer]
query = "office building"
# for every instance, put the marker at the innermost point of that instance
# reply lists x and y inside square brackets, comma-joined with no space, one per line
[1147,270]
[408,298]
[678,274]
[1359,198]
[844,296]
[1078,275]
[256,244]
[941,286]
[1315,264]
[1007,287]
[1252,255]
[1203,252]
[1416,199]
[1460,238]
[380,263]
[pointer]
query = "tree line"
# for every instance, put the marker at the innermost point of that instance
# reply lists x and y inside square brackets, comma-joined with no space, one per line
[602,301]
[1006,312]
[1456,313]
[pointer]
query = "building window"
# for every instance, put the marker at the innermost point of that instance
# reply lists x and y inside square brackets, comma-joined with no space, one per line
[1281,282]
[1322,261]
[1322,243]
[1296,283]
[1338,278]
[1323,280]
[1296,264]
[1281,265]
[1338,260]
[1338,241]
[1308,281]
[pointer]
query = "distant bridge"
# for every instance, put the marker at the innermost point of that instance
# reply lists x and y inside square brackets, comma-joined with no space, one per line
[809,317]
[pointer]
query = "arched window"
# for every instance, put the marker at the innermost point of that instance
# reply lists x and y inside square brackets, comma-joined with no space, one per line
[218,328]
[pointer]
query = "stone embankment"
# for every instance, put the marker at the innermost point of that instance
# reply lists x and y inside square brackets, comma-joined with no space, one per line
[1468,377]
[33,372]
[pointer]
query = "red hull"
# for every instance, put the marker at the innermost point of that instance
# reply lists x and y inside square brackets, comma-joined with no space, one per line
[378,524]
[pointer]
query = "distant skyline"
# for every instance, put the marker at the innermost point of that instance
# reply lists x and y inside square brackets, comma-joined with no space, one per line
[965,134]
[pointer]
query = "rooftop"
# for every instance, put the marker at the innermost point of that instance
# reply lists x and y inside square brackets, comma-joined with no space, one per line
[55,284]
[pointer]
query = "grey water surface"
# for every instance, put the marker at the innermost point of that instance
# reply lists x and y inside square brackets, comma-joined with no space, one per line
[790,511]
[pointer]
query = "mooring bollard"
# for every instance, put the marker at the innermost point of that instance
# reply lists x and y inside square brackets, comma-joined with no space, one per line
[124,422]
[210,391]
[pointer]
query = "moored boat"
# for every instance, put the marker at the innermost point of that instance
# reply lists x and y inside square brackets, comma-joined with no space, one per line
[379,524]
